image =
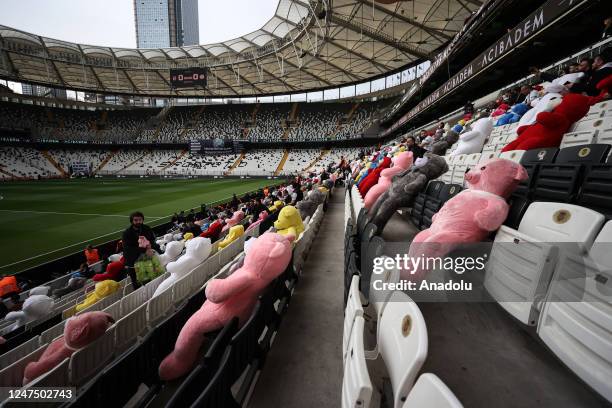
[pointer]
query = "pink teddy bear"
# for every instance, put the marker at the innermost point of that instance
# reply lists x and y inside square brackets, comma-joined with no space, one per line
[262,216]
[401,162]
[236,218]
[234,296]
[78,333]
[471,215]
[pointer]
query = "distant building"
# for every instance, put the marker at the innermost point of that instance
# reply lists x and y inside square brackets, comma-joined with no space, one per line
[166,23]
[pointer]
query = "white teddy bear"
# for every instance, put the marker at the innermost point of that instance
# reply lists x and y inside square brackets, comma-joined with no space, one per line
[162,242]
[473,140]
[34,308]
[198,250]
[172,252]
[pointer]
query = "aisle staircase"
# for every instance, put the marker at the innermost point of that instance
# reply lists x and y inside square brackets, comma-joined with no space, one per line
[292,119]
[162,116]
[104,162]
[173,162]
[247,130]
[324,152]
[55,164]
[147,153]
[193,122]
[352,112]
[236,164]
[11,175]
[282,162]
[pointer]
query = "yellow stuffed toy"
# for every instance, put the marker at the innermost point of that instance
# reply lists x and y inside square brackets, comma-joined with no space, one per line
[276,206]
[234,233]
[102,290]
[188,236]
[289,222]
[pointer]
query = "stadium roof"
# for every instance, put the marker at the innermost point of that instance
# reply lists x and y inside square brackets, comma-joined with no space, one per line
[306,45]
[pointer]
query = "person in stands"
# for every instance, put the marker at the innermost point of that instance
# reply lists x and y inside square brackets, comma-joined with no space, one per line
[600,69]
[416,150]
[132,249]
[91,255]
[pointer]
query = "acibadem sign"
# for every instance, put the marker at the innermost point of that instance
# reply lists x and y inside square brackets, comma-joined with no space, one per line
[535,23]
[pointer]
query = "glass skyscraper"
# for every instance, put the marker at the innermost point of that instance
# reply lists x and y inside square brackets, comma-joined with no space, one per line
[166,23]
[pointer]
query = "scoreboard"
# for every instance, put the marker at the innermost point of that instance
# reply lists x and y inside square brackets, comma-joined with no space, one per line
[188,78]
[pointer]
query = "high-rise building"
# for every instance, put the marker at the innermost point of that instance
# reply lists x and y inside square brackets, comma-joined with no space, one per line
[166,23]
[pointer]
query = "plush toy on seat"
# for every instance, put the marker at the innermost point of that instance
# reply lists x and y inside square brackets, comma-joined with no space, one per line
[516,113]
[372,178]
[235,220]
[472,141]
[162,242]
[113,271]
[234,296]
[73,284]
[262,216]
[289,222]
[471,215]
[308,205]
[78,333]
[404,188]
[549,128]
[35,307]
[441,146]
[400,164]
[198,250]
[234,233]
[102,290]
[172,252]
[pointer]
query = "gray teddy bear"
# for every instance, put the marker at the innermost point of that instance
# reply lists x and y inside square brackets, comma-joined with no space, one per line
[404,188]
[441,146]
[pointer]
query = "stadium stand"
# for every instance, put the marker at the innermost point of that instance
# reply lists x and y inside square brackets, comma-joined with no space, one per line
[538,333]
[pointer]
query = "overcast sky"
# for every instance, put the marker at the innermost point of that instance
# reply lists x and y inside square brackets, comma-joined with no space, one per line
[111,22]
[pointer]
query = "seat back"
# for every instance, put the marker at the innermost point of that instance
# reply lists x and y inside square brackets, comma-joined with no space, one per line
[374,249]
[353,308]
[513,155]
[12,375]
[356,384]
[402,343]
[597,189]
[218,391]
[575,322]
[583,154]
[20,351]
[429,391]
[557,222]
[85,362]
[245,343]
[130,327]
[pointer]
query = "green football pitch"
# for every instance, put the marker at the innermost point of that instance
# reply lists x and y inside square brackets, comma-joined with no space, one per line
[44,220]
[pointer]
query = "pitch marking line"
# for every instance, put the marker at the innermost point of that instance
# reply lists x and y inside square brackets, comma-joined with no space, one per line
[70,246]
[66,213]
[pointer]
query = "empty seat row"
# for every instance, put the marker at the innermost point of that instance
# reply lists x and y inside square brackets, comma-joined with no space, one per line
[553,272]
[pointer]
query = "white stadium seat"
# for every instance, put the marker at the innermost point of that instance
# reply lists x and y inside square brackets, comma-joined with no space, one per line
[514,155]
[576,321]
[356,384]
[578,138]
[353,309]
[402,343]
[430,392]
[521,262]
